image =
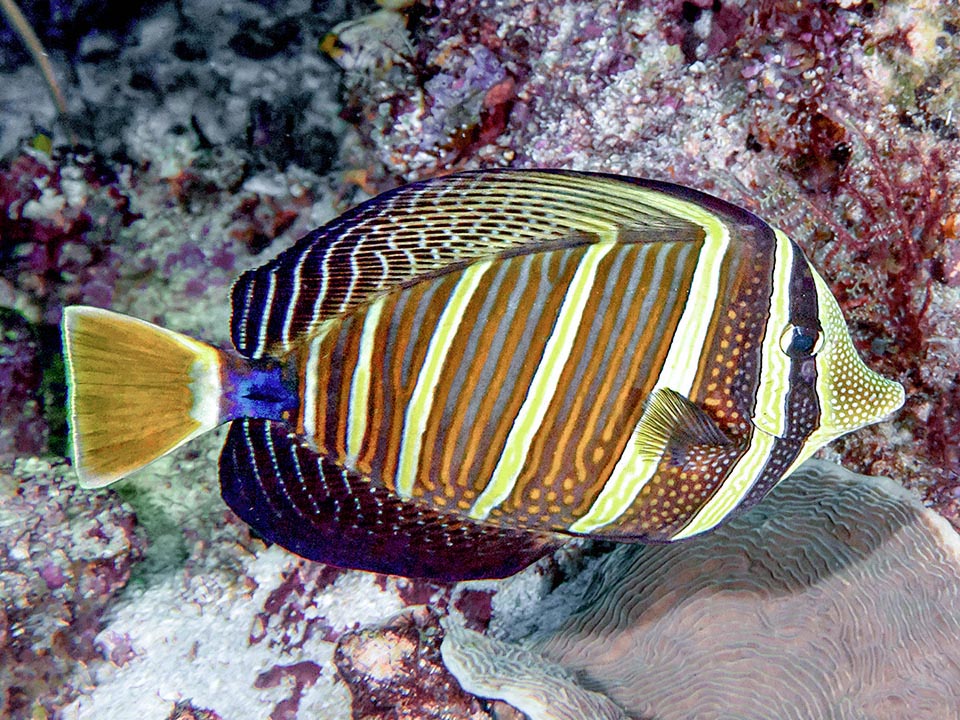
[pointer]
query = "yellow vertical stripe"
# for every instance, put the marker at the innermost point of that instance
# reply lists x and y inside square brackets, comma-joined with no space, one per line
[733,488]
[418,409]
[309,391]
[543,385]
[679,371]
[770,413]
[360,383]
[770,416]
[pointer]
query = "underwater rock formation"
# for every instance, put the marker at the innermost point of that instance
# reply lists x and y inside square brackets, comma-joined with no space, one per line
[394,671]
[64,554]
[23,429]
[543,690]
[833,599]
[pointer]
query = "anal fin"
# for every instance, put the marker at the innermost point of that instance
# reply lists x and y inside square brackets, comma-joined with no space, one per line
[321,511]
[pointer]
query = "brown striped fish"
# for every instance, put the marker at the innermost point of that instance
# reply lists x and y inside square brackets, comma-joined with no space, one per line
[457,375]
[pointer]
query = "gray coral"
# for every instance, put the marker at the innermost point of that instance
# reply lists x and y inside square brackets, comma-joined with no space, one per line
[834,599]
[543,690]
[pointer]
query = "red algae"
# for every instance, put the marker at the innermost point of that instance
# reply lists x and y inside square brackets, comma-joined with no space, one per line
[59,218]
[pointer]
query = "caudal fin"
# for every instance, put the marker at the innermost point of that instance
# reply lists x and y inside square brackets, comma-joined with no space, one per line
[136,391]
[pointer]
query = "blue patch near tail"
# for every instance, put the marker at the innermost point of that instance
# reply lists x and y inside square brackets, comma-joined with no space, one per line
[257,389]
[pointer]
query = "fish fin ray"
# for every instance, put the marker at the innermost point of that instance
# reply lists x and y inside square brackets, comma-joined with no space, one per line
[672,424]
[136,391]
[310,505]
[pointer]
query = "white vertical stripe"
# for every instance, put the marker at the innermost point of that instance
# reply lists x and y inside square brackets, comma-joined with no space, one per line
[252,452]
[418,409]
[360,383]
[265,315]
[246,314]
[354,275]
[309,399]
[292,450]
[275,466]
[633,469]
[294,296]
[770,416]
[543,385]
[324,280]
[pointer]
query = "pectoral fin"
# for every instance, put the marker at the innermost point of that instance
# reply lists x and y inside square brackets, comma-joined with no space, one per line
[672,425]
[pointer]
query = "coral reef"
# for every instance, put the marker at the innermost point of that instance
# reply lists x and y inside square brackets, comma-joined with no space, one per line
[185,710]
[64,26]
[64,554]
[829,600]
[23,430]
[58,223]
[153,242]
[234,633]
[395,671]
[216,135]
[542,690]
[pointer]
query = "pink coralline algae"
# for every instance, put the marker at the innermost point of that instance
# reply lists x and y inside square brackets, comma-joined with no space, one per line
[59,219]
[430,111]
[834,121]
[72,230]
[53,593]
[301,675]
[291,616]
[23,429]
[286,618]
[185,710]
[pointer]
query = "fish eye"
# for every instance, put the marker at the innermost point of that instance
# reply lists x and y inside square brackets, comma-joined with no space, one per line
[800,342]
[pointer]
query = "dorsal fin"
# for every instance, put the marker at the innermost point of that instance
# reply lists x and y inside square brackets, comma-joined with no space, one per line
[438,225]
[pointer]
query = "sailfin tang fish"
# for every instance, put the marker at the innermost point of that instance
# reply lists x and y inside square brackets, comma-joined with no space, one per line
[457,375]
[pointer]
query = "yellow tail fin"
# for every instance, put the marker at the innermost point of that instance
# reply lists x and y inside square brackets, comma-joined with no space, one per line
[136,391]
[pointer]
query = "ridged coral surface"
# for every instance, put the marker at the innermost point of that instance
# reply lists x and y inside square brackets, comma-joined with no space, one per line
[542,690]
[835,599]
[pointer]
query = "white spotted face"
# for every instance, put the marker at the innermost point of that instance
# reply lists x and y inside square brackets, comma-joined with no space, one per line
[851,394]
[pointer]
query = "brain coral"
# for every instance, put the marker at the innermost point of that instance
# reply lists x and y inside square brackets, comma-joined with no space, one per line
[836,598]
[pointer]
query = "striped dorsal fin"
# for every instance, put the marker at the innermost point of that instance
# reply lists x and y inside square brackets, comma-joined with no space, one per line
[436,226]
[298,499]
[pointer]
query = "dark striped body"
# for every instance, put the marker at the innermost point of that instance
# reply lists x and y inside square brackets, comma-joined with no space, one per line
[513,386]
